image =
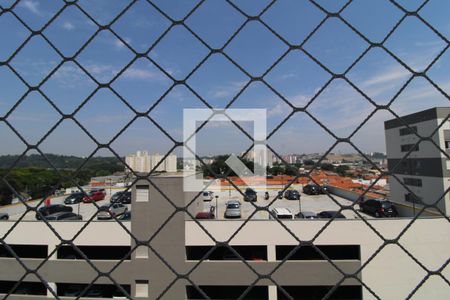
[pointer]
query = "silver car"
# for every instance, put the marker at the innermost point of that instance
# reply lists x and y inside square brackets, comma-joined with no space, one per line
[108,212]
[233,209]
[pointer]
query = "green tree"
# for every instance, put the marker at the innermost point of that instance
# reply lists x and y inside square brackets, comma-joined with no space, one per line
[219,166]
[327,167]
[342,170]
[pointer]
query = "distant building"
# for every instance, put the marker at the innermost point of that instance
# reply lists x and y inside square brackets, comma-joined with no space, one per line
[261,157]
[426,170]
[142,161]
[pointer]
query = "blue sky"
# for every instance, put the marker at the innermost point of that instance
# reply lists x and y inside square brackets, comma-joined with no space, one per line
[296,77]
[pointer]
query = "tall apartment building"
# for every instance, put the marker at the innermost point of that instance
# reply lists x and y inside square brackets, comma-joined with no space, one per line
[260,157]
[142,161]
[426,170]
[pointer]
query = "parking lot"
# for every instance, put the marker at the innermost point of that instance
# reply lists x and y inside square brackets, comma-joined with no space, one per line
[86,210]
[310,203]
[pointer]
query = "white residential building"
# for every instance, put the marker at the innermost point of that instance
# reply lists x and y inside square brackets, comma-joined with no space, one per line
[142,161]
[426,170]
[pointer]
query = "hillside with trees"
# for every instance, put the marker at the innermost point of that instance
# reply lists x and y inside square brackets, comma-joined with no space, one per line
[34,176]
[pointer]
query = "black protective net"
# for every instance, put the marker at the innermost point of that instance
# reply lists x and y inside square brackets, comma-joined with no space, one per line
[73,55]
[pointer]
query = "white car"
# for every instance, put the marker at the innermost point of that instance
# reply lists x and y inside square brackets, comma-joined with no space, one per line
[233,209]
[281,213]
[109,211]
[208,196]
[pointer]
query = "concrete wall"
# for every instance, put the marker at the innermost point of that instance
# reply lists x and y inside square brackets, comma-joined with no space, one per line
[391,274]
[346,194]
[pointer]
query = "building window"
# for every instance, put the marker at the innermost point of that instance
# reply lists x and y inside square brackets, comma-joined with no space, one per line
[408,130]
[413,182]
[142,193]
[447,144]
[409,197]
[409,147]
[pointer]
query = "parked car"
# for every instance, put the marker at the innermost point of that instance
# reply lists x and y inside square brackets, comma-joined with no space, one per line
[95,195]
[206,214]
[292,195]
[233,209]
[64,216]
[306,215]
[379,208]
[4,216]
[329,214]
[311,189]
[250,195]
[106,212]
[74,198]
[121,197]
[52,209]
[126,216]
[208,196]
[281,213]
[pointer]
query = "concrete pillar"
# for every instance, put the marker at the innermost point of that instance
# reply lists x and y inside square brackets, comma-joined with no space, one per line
[273,295]
[52,285]
[271,253]
[52,248]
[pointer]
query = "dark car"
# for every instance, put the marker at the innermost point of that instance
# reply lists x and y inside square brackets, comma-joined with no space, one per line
[311,189]
[306,215]
[4,216]
[250,195]
[51,209]
[315,189]
[379,208]
[123,197]
[329,214]
[292,195]
[74,198]
[64,216]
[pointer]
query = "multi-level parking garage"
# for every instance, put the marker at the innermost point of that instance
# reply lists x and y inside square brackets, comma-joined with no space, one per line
[162,246]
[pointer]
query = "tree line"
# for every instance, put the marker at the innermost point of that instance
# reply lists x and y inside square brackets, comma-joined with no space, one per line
[34,177]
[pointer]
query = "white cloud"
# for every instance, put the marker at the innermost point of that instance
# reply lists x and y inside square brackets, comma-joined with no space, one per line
[32,6]
[136,73]
[119,44]
[68,26]
[227,90]
[393,74]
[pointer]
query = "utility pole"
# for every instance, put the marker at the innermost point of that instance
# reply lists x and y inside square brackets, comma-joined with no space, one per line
[217,207]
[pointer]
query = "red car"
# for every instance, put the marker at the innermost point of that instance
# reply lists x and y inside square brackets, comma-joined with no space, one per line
[204,215]
[95,195]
